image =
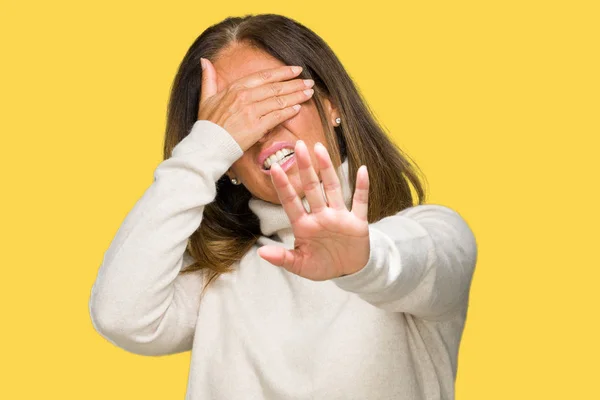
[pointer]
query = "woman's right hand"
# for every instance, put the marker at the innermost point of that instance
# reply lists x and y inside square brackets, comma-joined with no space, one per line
[252,105]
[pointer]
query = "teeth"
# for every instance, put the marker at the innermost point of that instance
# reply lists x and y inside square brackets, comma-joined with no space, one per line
[277,156]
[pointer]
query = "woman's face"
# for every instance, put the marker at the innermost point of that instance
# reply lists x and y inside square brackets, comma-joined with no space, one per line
[241,60]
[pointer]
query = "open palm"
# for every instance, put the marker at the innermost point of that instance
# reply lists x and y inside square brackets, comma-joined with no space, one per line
[330,241]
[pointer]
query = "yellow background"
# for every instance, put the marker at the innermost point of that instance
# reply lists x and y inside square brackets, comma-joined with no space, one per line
[498,102]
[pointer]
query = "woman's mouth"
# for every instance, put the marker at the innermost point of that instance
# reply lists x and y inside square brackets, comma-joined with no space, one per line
[286,163]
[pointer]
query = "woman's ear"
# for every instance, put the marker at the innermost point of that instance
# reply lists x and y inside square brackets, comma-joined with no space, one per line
[331,110]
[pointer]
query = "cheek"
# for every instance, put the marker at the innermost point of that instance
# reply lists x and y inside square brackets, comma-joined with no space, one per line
[293,123]
[243,165]
[304,124]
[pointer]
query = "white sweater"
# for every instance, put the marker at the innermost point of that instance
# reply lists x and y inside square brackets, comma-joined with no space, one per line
[389,331]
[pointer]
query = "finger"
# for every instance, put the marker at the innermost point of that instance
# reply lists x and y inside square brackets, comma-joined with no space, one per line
[310,180]
[278,102]
[360,200]
[287,194]
[269,90]
[261,77]
[278,256]
[331,181]
[209,81]
[274,118]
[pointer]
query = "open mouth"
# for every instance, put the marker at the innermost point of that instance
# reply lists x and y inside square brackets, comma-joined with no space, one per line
[281,161]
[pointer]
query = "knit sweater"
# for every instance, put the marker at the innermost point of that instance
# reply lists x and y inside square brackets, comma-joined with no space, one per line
[389,331]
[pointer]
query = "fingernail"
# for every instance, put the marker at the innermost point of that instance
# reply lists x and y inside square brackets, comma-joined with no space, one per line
[296,69]
[202,63]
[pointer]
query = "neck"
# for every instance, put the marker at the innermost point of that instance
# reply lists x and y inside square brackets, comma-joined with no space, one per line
[274,219]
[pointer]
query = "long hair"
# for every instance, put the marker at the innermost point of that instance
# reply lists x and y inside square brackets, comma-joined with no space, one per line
[229,228]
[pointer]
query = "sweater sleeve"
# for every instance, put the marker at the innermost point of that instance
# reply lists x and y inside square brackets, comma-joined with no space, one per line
[139,300]
[421,262]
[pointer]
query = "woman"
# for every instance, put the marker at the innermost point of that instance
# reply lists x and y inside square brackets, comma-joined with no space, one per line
[264,245]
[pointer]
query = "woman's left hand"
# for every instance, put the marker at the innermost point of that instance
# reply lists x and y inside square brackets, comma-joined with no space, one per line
[330,241]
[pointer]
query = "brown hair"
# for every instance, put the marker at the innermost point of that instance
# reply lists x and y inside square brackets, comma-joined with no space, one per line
[229,228]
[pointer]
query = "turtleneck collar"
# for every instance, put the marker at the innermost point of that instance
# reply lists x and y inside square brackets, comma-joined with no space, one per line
[273,218]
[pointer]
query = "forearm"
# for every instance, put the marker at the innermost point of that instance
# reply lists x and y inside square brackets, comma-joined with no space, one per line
[139,295]
[421,262]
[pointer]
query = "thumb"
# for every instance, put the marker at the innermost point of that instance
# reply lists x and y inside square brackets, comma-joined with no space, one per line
[209,81]
[277,256]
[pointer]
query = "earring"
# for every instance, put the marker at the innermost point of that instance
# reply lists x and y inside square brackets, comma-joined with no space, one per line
[338,120]
[235,181]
